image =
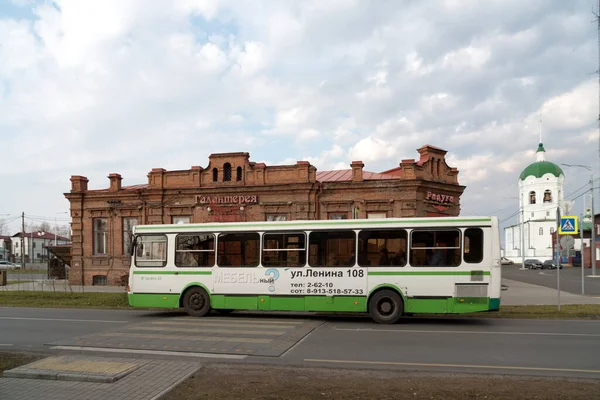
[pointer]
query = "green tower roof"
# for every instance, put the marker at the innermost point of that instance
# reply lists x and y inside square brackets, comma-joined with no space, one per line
[540,168]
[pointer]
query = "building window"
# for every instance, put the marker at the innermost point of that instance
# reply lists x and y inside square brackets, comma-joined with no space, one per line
[128,224]
[532,197]
[100,236]
[181,220]
[239,173]
[215,175]
[382,247]
[226,172]
[547,196]
[541,231]
[337,215]
[276,217]
[99,280]
[195,250]
[551,230]
[373,215]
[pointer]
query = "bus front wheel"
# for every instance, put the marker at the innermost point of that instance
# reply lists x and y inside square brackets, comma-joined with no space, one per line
[386,307]
[196,302]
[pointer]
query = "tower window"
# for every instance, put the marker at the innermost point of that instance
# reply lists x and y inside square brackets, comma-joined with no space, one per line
[226,172]
[541,231]
[547,196]
[239,173]
[215,174]
[532,197]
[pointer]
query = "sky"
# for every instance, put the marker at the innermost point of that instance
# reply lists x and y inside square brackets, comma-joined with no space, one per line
[123,86]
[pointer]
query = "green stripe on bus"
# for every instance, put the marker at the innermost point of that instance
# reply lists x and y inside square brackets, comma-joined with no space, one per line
[172,272]
[317,303]
[444,273]
[304,223]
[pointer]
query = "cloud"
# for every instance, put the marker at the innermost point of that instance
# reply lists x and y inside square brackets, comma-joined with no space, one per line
[125,86]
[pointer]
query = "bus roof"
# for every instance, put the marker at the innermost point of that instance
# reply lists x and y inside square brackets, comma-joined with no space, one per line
[320,224]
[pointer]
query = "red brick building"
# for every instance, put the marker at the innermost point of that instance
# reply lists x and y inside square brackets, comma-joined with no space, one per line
[233,188]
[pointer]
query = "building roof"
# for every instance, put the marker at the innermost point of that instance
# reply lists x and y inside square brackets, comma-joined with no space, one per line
[46,236]
[541,167]
[345,175]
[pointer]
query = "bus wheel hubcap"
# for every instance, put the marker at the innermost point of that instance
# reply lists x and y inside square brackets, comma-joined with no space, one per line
[196,301]
[386,307]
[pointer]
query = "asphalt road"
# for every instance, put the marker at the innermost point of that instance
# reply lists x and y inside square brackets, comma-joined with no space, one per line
[570,278]
[30,328]
[503,346]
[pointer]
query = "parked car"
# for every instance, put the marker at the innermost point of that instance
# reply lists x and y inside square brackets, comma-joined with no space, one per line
[533,263]
[550,264]
[8,265]
[506,261]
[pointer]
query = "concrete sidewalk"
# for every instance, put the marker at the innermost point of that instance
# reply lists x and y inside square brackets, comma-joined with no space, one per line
[517,293]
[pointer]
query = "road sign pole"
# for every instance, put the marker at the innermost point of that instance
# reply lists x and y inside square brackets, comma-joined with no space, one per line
[558,255]
[582,258]
[593,237]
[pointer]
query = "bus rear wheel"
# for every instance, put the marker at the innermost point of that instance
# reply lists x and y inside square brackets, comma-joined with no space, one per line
[196,302]
[386,307]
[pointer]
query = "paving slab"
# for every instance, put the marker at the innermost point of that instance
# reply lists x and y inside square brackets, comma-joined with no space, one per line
[75,369]
[268,337]
[152,379]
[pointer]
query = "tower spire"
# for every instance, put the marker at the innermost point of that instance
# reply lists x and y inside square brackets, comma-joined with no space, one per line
[541,141]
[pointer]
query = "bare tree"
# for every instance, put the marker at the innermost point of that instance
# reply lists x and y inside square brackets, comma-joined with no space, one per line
[2,227]
[45,227]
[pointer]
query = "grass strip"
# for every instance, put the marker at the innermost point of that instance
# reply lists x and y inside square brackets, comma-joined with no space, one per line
[10,360]
[24,298]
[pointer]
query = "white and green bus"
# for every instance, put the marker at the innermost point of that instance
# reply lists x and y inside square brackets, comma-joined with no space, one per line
[385,267]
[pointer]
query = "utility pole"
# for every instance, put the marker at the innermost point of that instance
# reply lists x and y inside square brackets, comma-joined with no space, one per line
[23,240]
[522,234]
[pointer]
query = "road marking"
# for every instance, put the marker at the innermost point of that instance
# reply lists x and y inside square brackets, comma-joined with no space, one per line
[65,320]
[155,352]
[266,321]
[407,364]
[204,330]
[466,332]
[5,345]
[231,324]
[194,338]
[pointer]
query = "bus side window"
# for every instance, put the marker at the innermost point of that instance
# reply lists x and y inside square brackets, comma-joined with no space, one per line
[284,249]
[332,248]
[473,250]
[435,248]
[382,247]
[238,249]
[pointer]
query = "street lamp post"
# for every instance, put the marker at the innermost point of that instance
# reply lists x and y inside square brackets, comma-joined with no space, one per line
[593,233]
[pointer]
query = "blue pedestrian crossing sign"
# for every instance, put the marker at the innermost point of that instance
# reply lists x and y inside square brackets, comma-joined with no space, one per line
[569,225]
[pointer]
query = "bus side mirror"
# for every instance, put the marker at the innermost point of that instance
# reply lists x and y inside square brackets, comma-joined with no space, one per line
[133,245]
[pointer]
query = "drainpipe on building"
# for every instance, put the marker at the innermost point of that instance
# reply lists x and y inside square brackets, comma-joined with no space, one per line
[318,202]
